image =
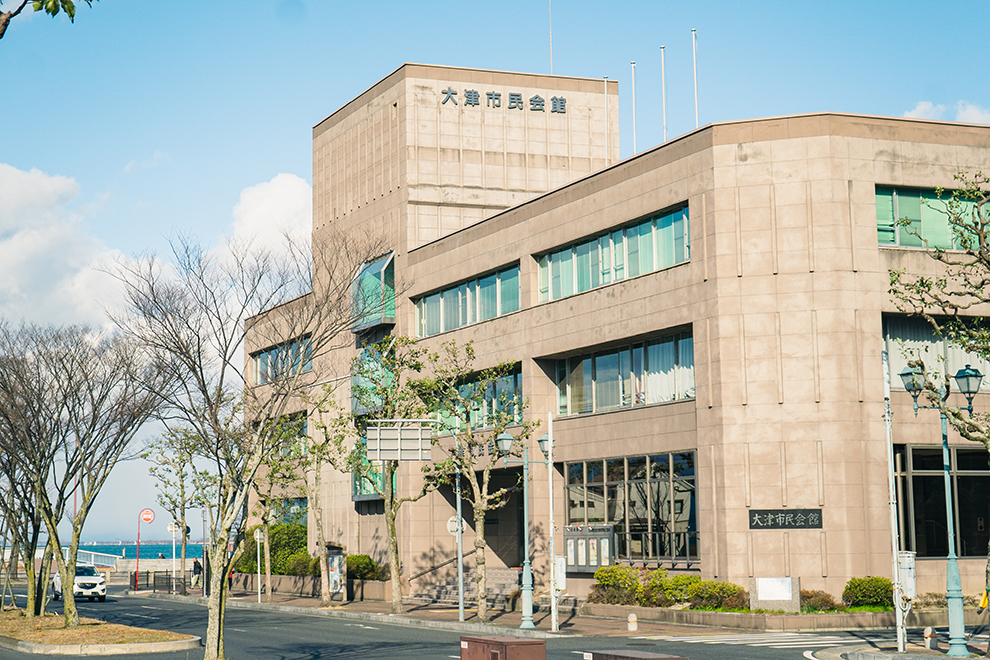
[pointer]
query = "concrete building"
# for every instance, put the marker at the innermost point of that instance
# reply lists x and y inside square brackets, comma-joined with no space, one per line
[704,320]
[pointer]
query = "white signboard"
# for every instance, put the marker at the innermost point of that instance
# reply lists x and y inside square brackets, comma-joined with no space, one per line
[400,443]
[452,525]
[773,588]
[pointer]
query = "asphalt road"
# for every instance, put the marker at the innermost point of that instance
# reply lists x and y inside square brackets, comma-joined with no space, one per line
[252,634]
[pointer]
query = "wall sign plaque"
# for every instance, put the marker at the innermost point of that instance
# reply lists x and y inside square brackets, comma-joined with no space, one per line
[785,519]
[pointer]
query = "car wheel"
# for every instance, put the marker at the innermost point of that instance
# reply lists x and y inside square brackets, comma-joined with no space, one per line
[103,599]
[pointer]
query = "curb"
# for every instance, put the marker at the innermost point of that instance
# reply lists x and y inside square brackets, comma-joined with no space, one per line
[397,620]
[99,649]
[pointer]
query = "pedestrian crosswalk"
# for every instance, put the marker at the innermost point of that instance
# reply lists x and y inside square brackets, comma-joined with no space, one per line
[778,640]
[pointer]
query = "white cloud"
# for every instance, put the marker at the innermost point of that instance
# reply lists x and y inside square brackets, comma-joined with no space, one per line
[926,110]
[970,113]
[159,158]
[47,272]
[268,212]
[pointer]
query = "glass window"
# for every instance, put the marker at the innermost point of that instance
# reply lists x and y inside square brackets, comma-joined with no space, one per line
[509,291]
[469,302]
[287,360]
[657,242]
[608,386]
[927,221]
[657,371]
[911,338]
[886,231]
[921,500]
[373,294]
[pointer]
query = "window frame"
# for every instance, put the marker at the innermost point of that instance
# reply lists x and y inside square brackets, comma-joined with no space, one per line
[469,303]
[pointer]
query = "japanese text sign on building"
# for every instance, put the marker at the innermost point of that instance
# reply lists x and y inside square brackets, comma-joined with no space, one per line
[785,519]
[472,98]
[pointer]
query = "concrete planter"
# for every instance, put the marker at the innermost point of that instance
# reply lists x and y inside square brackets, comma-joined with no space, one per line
[368,590]
[775,622]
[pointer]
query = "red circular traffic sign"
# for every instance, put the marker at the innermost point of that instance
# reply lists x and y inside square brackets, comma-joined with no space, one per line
[147,515]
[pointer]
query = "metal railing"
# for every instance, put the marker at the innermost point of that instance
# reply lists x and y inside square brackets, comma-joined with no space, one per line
[165,583]
[671,548]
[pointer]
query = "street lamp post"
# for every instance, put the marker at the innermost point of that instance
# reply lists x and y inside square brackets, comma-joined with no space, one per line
[504,442]
[968,382]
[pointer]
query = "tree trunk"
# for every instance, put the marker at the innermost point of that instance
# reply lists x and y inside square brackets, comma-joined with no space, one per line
[388,469]
[216,603]
[41,592]
[326,598]
[32,584]
[479,560]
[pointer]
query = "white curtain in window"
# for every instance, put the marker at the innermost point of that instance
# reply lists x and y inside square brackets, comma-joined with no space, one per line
[660,376]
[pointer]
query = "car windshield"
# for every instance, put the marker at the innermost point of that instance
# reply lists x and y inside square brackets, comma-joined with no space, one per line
[86,571]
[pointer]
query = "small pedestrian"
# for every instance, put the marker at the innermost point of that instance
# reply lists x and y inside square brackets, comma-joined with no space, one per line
[230,578]
[197,572]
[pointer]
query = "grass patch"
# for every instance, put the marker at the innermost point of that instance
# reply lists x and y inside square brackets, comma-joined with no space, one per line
[869,608]
[48,629]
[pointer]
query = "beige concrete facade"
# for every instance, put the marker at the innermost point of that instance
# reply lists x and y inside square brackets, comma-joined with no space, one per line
[784,296]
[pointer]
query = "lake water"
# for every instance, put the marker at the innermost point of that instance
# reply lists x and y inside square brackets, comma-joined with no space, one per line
[148,550]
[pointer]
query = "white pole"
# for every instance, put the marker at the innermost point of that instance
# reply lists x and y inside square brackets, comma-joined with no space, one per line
[257,546]
[892,503]
[694,47]
[554,613]
[550,9]
[663,87]
[606,121]
[633,63]
[173,555]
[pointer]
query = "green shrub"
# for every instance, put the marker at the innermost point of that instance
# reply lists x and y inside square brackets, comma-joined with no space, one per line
[819,601]
[676,589]
[654,592]
[286,540]
[361,567]
[616,585]
[869,591]
[299,563]
[713,595]
[315,568]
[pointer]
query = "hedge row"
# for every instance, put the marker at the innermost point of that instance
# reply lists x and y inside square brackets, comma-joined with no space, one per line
[625,585]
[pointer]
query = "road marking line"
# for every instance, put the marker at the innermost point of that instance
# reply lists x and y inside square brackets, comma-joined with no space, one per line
[809,655]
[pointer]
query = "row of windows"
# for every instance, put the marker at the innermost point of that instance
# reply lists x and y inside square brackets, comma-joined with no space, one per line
[470,302]
[911,337]
[283,361]
[656,243]
[921,500]
[650,500]
[650,372]
[500,399]
[927,221]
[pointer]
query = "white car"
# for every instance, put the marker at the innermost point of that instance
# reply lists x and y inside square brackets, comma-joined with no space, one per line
[90,583]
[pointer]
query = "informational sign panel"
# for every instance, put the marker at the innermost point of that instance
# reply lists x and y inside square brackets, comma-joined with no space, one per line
[400,443]
[588,547]
[785,519]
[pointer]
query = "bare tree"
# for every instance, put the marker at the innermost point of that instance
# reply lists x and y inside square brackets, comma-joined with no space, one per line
[172,467]
[96,391]
[476,407]
[199,312]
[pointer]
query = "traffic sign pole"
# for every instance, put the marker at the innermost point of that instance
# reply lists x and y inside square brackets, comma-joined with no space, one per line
[148,516]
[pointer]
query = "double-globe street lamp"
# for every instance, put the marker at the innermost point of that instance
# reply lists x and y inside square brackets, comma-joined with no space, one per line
[968,381]
[504,442]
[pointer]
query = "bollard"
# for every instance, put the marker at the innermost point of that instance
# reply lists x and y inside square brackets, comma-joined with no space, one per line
[632,623]
[931,639]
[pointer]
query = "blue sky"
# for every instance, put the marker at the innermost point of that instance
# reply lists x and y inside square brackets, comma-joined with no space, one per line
[146,118]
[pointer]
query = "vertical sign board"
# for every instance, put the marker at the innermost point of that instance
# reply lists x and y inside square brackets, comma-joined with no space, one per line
[400,443]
